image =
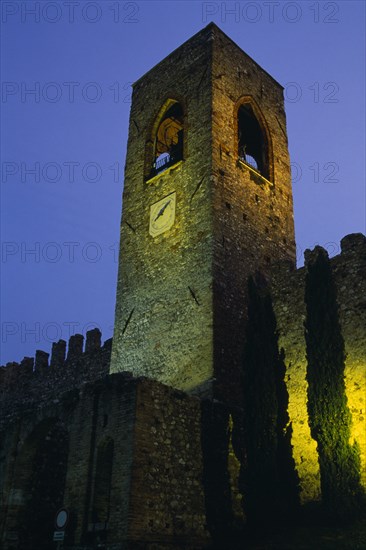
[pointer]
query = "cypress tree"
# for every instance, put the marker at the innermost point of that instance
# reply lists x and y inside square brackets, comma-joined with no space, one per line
[269,480]
[329,416]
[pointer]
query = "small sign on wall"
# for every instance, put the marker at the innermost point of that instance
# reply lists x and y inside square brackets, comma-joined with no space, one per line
[58,535]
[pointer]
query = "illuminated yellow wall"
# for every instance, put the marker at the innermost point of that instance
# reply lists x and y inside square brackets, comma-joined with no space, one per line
[288,291]
[181,296]
[351,286]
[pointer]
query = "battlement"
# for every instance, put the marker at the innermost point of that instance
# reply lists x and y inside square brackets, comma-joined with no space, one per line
[288,292]
[42,381]
[44,378]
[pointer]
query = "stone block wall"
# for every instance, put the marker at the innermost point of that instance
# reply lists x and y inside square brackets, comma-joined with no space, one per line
[175,457]
[253,216]
[163,322]
[181,297]
[288,285]
[167,495]
[172,481]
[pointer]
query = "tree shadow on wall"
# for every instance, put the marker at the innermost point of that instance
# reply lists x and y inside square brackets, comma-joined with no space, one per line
[221,521]
[261,438]
[269,481]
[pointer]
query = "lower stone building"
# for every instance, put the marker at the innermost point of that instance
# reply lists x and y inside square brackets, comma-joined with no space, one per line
[157,457]
[126,457]
[138,464]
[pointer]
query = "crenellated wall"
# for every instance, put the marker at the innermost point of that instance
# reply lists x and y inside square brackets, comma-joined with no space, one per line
[288,287]
[175,463]
[43,379]
[137,459]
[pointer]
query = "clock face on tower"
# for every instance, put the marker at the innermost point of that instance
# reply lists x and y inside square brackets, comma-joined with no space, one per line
[162,215]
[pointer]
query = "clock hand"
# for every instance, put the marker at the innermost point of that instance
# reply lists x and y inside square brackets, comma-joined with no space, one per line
[162,210]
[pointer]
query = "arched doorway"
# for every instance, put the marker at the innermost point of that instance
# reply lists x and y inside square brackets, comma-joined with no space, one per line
[38,488]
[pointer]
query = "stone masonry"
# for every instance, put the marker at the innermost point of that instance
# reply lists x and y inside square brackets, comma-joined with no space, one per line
[181,296]
[141,440]
[349,270]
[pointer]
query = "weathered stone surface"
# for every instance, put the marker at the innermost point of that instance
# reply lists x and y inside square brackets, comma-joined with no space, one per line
[181,296]
[137,463]
[22,386]
[157,489]
[288,288]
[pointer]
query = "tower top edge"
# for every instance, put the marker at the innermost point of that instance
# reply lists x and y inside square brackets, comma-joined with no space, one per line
[213,28]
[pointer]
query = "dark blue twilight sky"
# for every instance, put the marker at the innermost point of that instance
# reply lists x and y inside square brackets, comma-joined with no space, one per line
[80,58]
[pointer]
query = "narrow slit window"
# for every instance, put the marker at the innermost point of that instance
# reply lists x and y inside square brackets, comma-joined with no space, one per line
[252,142]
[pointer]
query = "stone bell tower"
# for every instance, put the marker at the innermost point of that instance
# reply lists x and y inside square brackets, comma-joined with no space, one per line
[207,201]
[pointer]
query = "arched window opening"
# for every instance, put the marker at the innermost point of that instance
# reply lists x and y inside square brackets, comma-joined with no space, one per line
[252,142]
[168,139]
[102,484]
